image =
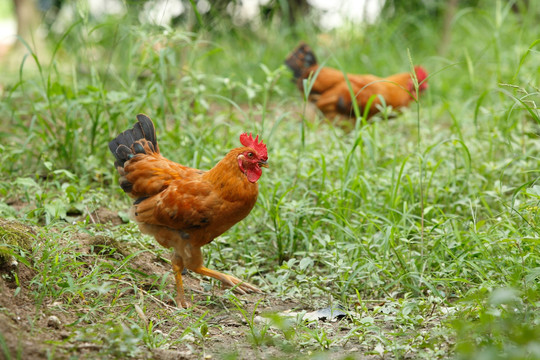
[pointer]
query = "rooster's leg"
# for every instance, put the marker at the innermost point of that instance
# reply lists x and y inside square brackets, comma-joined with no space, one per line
[241,286]
[194,262]
[178,266]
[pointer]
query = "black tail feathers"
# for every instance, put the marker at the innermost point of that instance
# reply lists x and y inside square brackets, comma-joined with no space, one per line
[300,59]
[128,143]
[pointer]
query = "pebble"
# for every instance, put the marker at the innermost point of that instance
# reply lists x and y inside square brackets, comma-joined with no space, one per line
[260,320]
[54,322]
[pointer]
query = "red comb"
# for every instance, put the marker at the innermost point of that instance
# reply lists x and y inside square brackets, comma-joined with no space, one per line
[247,140]
[421,73]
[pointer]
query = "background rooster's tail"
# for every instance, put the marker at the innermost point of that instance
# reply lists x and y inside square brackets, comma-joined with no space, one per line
[138,140]
[300,59]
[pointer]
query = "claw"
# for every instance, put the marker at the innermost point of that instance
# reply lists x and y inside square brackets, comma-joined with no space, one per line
[238,285]
[182,303]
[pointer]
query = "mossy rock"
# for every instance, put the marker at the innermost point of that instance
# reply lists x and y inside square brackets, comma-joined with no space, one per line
[103,245]
[13,234]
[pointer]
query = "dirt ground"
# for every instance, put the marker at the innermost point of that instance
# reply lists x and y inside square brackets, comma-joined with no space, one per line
[33,326]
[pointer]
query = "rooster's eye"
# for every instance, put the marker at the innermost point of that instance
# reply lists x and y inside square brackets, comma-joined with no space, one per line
[250,154]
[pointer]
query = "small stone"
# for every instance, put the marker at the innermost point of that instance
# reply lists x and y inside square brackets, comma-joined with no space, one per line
[260,320]
[54,322]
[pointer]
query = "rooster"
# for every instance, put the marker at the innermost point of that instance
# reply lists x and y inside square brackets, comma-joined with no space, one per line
[186,208]
[331,94]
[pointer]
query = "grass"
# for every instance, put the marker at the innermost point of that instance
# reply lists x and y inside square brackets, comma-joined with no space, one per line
[424,227]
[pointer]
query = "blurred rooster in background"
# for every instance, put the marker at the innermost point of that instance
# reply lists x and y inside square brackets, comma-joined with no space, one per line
[186,208]
[331,94]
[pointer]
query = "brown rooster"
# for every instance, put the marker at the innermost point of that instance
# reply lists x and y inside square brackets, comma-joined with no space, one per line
[331,93]
[186,208]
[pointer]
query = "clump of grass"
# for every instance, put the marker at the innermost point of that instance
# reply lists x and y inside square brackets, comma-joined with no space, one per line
[505,326]
[14,235]
[107,245]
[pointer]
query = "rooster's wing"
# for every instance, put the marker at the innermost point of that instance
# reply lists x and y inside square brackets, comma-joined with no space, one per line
[169,194]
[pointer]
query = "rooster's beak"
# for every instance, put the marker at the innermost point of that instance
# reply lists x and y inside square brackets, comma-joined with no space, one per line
[263,164]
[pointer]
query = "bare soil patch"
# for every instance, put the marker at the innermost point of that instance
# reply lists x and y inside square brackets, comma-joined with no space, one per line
[36,327]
